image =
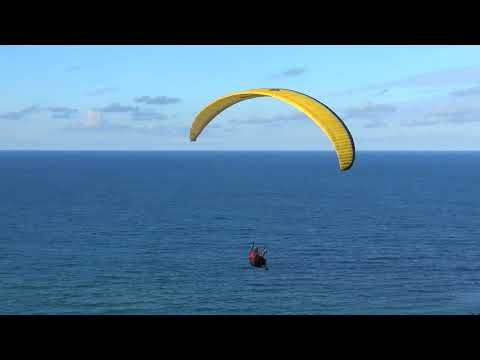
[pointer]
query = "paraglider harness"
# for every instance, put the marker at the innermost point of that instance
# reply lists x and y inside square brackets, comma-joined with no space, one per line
[255,258]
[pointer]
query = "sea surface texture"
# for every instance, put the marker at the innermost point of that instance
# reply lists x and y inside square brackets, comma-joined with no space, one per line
[168,233]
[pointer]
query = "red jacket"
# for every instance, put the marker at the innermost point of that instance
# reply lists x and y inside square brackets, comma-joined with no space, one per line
[255,259]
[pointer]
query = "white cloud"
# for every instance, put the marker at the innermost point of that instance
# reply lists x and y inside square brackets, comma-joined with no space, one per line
[370,111]
[437,79]
[93,120]
[292,72]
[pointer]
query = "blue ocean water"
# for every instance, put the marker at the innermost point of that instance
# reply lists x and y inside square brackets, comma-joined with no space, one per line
[168,233]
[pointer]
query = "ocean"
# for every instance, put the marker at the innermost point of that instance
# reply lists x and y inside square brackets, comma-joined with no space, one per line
[168,233]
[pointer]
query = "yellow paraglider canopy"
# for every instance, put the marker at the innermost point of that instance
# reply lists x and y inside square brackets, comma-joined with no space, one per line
[325,118]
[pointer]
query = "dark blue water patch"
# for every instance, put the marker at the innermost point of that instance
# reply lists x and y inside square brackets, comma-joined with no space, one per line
[168,232]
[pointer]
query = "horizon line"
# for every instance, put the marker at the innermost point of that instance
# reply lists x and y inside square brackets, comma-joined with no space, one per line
[231,150]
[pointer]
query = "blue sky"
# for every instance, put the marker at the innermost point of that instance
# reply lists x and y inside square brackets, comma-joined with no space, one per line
[145,97]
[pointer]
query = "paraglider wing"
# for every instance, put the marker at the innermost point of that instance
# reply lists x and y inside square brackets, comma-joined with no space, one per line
[325,118]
